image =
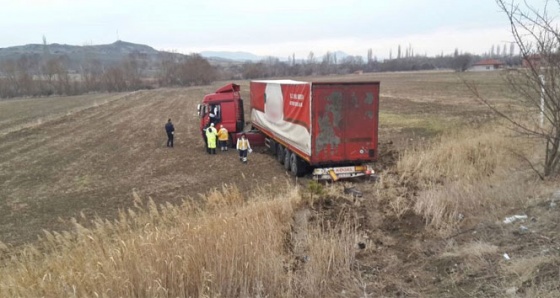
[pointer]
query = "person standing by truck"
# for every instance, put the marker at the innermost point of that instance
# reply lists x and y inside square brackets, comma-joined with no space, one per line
[211,135]
[170,130]
[243,147]
[223,137]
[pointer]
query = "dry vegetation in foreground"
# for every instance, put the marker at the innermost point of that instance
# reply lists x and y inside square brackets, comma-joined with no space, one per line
[276,243]
[463,184]
[466,173]
[231,247]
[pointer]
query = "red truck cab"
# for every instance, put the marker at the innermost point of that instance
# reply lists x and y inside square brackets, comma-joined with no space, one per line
[225,107]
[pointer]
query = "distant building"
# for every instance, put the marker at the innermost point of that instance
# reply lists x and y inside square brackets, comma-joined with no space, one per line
[487,65]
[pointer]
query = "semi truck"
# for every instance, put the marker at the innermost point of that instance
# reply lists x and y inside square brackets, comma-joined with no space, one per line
[328,129]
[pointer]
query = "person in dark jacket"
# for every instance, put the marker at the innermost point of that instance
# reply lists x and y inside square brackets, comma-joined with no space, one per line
[170,130]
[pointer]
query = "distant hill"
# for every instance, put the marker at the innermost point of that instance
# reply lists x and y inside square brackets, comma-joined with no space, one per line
[235,56]
[106,54]
[109,54]
[75,56]
[246,56]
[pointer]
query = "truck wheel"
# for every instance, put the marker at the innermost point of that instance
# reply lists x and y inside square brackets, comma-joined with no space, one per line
[298,166]
[280,153]
[287,155]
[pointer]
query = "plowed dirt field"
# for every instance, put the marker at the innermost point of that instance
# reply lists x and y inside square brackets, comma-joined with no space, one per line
[61,157]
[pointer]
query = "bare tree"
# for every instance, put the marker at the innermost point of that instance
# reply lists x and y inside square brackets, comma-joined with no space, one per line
[511,49]
[461,63]
[168,69]
[326,66]
[310,67]
[91,71]
[8,70]
[133,66]
[200,72]
[311,58]
[24,70]
[253,70]
[537,87]
[113,79]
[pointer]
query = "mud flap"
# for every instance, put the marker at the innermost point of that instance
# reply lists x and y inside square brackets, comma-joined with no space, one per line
[333,175]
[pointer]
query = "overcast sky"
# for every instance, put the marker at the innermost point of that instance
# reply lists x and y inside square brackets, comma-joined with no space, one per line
[263,27]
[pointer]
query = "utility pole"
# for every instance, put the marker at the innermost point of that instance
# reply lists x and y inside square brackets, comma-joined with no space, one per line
[541,77]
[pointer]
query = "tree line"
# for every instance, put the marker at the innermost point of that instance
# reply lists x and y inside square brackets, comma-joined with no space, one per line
[45,75]
[329,64]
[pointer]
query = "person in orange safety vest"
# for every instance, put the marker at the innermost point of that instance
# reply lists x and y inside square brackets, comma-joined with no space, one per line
[223,137]
[243,147]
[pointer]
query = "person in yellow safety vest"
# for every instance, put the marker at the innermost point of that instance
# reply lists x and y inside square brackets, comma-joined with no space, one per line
[211,135]
[243,147]
[223,137]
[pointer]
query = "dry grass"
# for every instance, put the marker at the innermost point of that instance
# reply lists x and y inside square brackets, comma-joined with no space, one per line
[474,249]
[539,276]
[427,125]
[330,257]
[475,257]
[465,155]
[232,247]
[461,175]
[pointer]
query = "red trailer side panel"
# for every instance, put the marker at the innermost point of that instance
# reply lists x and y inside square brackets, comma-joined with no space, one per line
[345,122]
[281,109]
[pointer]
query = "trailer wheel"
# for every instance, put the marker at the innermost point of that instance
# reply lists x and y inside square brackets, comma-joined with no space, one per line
[280,153]
[298,166]
[287,155]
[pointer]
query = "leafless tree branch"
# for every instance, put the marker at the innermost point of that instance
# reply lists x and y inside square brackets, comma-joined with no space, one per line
[537,87]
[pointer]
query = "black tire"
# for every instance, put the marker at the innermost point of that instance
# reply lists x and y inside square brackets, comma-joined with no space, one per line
[297,165]
[280,153]
[287,155]
[272,148]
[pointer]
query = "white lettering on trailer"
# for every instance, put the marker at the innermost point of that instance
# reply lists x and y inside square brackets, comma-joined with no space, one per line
[296,96]
[296,104]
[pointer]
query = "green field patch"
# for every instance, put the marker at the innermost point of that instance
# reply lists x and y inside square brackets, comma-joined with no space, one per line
[425,125]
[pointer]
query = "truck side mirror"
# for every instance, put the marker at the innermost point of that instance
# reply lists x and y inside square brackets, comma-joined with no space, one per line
[198,110]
